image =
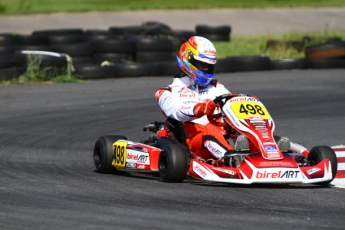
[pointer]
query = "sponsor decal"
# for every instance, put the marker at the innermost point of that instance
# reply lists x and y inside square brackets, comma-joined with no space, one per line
[237,99]
[185,95]
[203,92]
[275,164]
[262,131]
[271,151]
[252,118]
[259,125]
[226,171]
[185,107]
[212,52]
[189,102]
[251,99]
[313,170]
[130,165]
[140,166]
[214,148]
[264,134]
[273,155]
[279,174]
[142,158]
[131,156]
[199,170]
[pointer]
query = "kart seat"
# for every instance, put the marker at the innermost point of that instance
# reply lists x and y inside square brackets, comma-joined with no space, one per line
[177,128]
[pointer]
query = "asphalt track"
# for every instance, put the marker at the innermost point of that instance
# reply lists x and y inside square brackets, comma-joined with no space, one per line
[47,177]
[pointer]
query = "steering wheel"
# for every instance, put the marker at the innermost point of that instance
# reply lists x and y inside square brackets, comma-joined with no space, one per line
[220,100]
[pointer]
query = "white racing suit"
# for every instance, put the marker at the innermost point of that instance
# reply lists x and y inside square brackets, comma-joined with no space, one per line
[178,100]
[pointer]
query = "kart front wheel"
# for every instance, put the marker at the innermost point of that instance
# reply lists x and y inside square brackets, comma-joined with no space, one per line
[318,154]
[103,153]
[173,163]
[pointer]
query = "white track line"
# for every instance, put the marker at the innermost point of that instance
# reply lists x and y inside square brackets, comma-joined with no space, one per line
[339,151]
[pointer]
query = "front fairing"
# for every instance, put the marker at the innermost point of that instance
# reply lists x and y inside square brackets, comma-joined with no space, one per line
[250,117]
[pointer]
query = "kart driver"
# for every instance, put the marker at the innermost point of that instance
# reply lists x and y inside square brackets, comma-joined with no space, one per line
[189,99]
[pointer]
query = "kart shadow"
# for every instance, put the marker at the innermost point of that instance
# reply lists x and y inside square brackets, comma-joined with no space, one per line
[136,175]
[258,186]
[140,175]
[154,176]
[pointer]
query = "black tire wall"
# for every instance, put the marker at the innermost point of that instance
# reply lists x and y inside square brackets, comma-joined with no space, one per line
[150,50]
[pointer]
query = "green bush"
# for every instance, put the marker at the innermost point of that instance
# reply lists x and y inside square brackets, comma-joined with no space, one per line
[35,73]
[2,8]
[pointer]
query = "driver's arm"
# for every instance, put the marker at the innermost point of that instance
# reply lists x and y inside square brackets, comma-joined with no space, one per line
[175,108]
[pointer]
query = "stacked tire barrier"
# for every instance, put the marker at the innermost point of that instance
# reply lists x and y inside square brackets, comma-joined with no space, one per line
[214,32]
[327,55]
[145,50]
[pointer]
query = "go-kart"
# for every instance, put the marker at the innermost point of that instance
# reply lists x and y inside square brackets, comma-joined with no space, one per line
[167,152]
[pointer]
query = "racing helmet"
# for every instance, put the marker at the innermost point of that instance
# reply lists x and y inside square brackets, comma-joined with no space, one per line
[197,58]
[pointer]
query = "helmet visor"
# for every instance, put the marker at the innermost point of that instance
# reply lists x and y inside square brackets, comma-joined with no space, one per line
[203,66]
[203,80]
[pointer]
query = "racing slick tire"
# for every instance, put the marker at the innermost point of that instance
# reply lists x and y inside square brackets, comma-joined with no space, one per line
[103,153]
[318,154]
[173,165]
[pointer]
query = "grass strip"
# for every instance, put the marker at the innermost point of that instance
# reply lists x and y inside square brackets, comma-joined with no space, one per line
[50,6]
[249,45]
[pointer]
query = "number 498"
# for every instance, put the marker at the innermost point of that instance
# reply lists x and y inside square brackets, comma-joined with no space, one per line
[248,108]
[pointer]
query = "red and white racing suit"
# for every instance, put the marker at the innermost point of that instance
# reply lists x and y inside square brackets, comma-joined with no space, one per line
[178,100]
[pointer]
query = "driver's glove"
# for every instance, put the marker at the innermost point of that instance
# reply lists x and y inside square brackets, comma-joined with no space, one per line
[204,108]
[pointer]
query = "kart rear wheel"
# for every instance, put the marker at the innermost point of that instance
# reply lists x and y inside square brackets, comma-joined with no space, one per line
[103,153]
[173,163]
[318,154]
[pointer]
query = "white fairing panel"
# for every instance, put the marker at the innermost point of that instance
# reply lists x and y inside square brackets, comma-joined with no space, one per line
[264,175]
[250,117]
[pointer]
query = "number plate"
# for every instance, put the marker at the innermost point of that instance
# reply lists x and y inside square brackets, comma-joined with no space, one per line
[247,109]
[120,154]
